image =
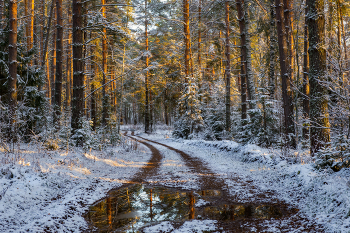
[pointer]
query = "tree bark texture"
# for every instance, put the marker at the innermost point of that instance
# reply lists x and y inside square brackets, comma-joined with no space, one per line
[320,127]
[104,67]
[248,61]
[306,87]
[285,76]
[243,59]
[147,117]
[12,82]
[228,68]
[53,66]
[273,50]
[29,13]
[59,62]
[78,67]
[187,41]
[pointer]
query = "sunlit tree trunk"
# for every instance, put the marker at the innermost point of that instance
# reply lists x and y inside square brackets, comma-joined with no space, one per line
[248,61]
[104,67]
[199,59]
[228,68]
[320,127]
[186,15]
[147,117]
[12,80]
[44,55]
[78,67]
[29,13]
[306,87]
[53,65]
[59,63]
[285,76]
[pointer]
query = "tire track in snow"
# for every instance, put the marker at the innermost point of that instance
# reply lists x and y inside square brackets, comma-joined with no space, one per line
[292,220]
[153,165]
[208,179]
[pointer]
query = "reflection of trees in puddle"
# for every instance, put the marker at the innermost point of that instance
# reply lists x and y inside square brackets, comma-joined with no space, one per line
[136,206]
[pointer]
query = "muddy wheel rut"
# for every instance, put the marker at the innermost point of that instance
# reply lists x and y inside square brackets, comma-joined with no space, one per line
[287,218]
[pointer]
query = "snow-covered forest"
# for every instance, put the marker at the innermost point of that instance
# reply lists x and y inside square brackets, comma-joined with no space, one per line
[222,116]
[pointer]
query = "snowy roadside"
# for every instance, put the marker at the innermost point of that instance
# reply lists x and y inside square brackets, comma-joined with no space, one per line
[51,190]
[320,195]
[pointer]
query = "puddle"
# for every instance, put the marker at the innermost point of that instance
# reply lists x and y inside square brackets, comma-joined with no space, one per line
[137,206]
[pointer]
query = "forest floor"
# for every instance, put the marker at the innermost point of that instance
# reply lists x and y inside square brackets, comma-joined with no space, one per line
[52,191]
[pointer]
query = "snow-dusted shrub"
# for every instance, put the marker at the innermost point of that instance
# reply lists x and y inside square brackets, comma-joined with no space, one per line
[261,126]
[189,120]
[336,156]
[51,144]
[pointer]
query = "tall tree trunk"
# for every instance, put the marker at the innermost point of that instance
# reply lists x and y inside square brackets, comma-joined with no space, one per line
[306,87]
[69,63]
[42,28]
[1,12]
[12,81]
[228,68]
[320,127]
[147,117]
[166,114]
[288,27]
[93,93]
[53,66]
[186,14]
[151,109]
[78,68]
[199,59]
[344,40]
[47,35]
[120,115]
[248,61]
[243,59]
[104,67]
[29,13]
[285,76]
[59,63]
[273,50]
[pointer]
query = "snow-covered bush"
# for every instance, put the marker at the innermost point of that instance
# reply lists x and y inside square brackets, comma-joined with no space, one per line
[336,156]
[189,121]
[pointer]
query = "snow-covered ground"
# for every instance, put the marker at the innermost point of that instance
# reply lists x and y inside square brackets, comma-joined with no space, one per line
[320,195]
[51,190]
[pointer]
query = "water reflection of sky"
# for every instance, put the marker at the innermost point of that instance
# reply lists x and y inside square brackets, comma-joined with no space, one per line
[134,207]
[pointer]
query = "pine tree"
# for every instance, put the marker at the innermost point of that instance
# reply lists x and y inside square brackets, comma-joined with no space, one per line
[78,70]
[320,127]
